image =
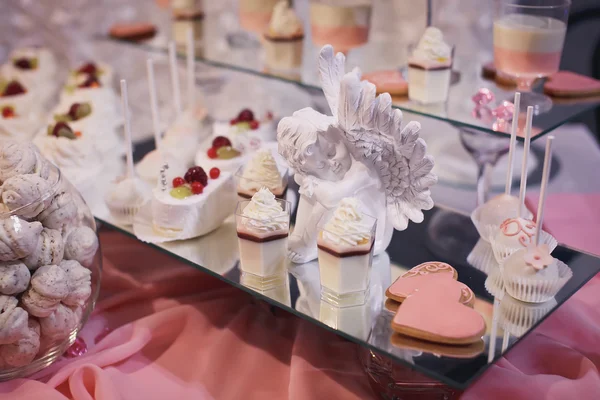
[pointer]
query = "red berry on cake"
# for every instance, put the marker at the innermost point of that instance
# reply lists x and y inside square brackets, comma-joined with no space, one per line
[197,187]
[214,173]
[212,153]
[196,174]
[88,68]
[254,125]
[23,63]
[221,141]
[245,115]
[233,121]
[13,88]
[179,181]
[8,112]
[90,82]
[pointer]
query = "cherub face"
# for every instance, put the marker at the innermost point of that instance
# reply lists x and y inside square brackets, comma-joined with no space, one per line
[328,158]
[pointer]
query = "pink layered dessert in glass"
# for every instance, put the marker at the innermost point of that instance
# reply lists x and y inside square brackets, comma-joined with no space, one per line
[527,45]
[344,25]
[256,14]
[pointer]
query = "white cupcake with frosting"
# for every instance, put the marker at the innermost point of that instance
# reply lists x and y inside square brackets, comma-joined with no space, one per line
[261,171]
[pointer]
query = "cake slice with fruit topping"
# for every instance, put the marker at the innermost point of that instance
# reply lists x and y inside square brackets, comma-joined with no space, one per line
[14,94]
[74,152]
[34,68]
[101,71]
[220,153]
[247,126]
[193,204]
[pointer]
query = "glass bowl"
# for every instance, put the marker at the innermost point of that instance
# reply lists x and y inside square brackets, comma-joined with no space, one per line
[48,240]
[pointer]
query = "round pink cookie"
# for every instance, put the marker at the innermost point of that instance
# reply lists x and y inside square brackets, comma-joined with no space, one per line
[388,81]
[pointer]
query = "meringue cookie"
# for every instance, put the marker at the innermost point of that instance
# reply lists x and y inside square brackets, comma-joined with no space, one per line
[20,159]
[49,250]
[14,278]
[18,238]
[13,320]
[23,351]
[61,211]
[21,190]
[49,285]
[60,323]
[81,245]
[79,281]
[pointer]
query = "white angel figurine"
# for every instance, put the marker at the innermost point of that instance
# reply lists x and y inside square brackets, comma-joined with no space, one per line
[360,151]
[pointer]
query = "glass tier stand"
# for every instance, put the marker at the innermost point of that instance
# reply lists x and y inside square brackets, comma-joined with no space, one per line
[368,325]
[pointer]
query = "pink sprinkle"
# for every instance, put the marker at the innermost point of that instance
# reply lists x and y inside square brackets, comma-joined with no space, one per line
[78,348]
[483,97]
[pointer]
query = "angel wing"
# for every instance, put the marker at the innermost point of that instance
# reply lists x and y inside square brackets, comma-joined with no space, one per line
[375,134]
[331,71]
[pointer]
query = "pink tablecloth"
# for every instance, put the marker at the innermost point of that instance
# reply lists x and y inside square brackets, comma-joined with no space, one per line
[178,333]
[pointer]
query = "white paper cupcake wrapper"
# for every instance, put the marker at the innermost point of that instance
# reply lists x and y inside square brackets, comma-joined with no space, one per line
[517,317]
[482,257]
[501,253]
[125,215]
[494,284]
[537,289]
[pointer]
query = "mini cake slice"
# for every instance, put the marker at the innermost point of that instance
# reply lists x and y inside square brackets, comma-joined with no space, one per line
[192,205]
[284,38]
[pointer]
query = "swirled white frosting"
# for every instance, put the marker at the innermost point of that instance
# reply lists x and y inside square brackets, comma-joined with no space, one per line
[69,153]
[348,226]
[260,172]
[284,21]
[432,48]
[264,213]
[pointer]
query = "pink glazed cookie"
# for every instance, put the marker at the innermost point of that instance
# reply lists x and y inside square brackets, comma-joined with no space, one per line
[435,313]
[412,280]
[570,84]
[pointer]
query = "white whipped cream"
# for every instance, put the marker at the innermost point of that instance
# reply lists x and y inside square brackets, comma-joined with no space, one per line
[284,21]
[432,47]
[260,172]
[348,226]
[264,213]
[68,153]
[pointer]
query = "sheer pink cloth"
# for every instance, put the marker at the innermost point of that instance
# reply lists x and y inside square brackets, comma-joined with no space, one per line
[177,333]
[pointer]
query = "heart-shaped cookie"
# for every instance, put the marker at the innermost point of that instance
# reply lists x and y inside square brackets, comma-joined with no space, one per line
[570,84]
[445,350]
[434,313]
[413,279]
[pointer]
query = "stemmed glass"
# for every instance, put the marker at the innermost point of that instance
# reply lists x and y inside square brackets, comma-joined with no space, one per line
[528,42]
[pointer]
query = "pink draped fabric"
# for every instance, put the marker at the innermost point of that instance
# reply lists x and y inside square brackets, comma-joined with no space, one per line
[175,332]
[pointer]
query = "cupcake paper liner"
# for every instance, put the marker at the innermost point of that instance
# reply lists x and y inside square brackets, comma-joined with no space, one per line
[482,257]
[125,215]
[536,289]
[501,253]
[517,317]
[494,284]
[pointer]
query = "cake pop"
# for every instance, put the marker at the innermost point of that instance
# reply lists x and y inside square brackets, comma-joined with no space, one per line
[129,194]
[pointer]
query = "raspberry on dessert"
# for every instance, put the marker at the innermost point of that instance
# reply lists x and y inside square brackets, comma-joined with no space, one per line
[91,81]
[254,125]
[212,153]
[233,121]
[196,174]
[13,88]
[197,187]
[245,115]
[8,112]
[179,181]
[88,68]
[214,173]
[73,111]
[23,63]
[220,141]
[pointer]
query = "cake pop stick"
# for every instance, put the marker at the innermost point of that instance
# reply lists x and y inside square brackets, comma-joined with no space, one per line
[544,190]
[125,105]
[153,104]
[513,142]
[174,78]
[525,156]
[191,76]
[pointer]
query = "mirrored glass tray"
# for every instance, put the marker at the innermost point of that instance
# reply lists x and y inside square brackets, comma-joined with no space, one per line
[299,292]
